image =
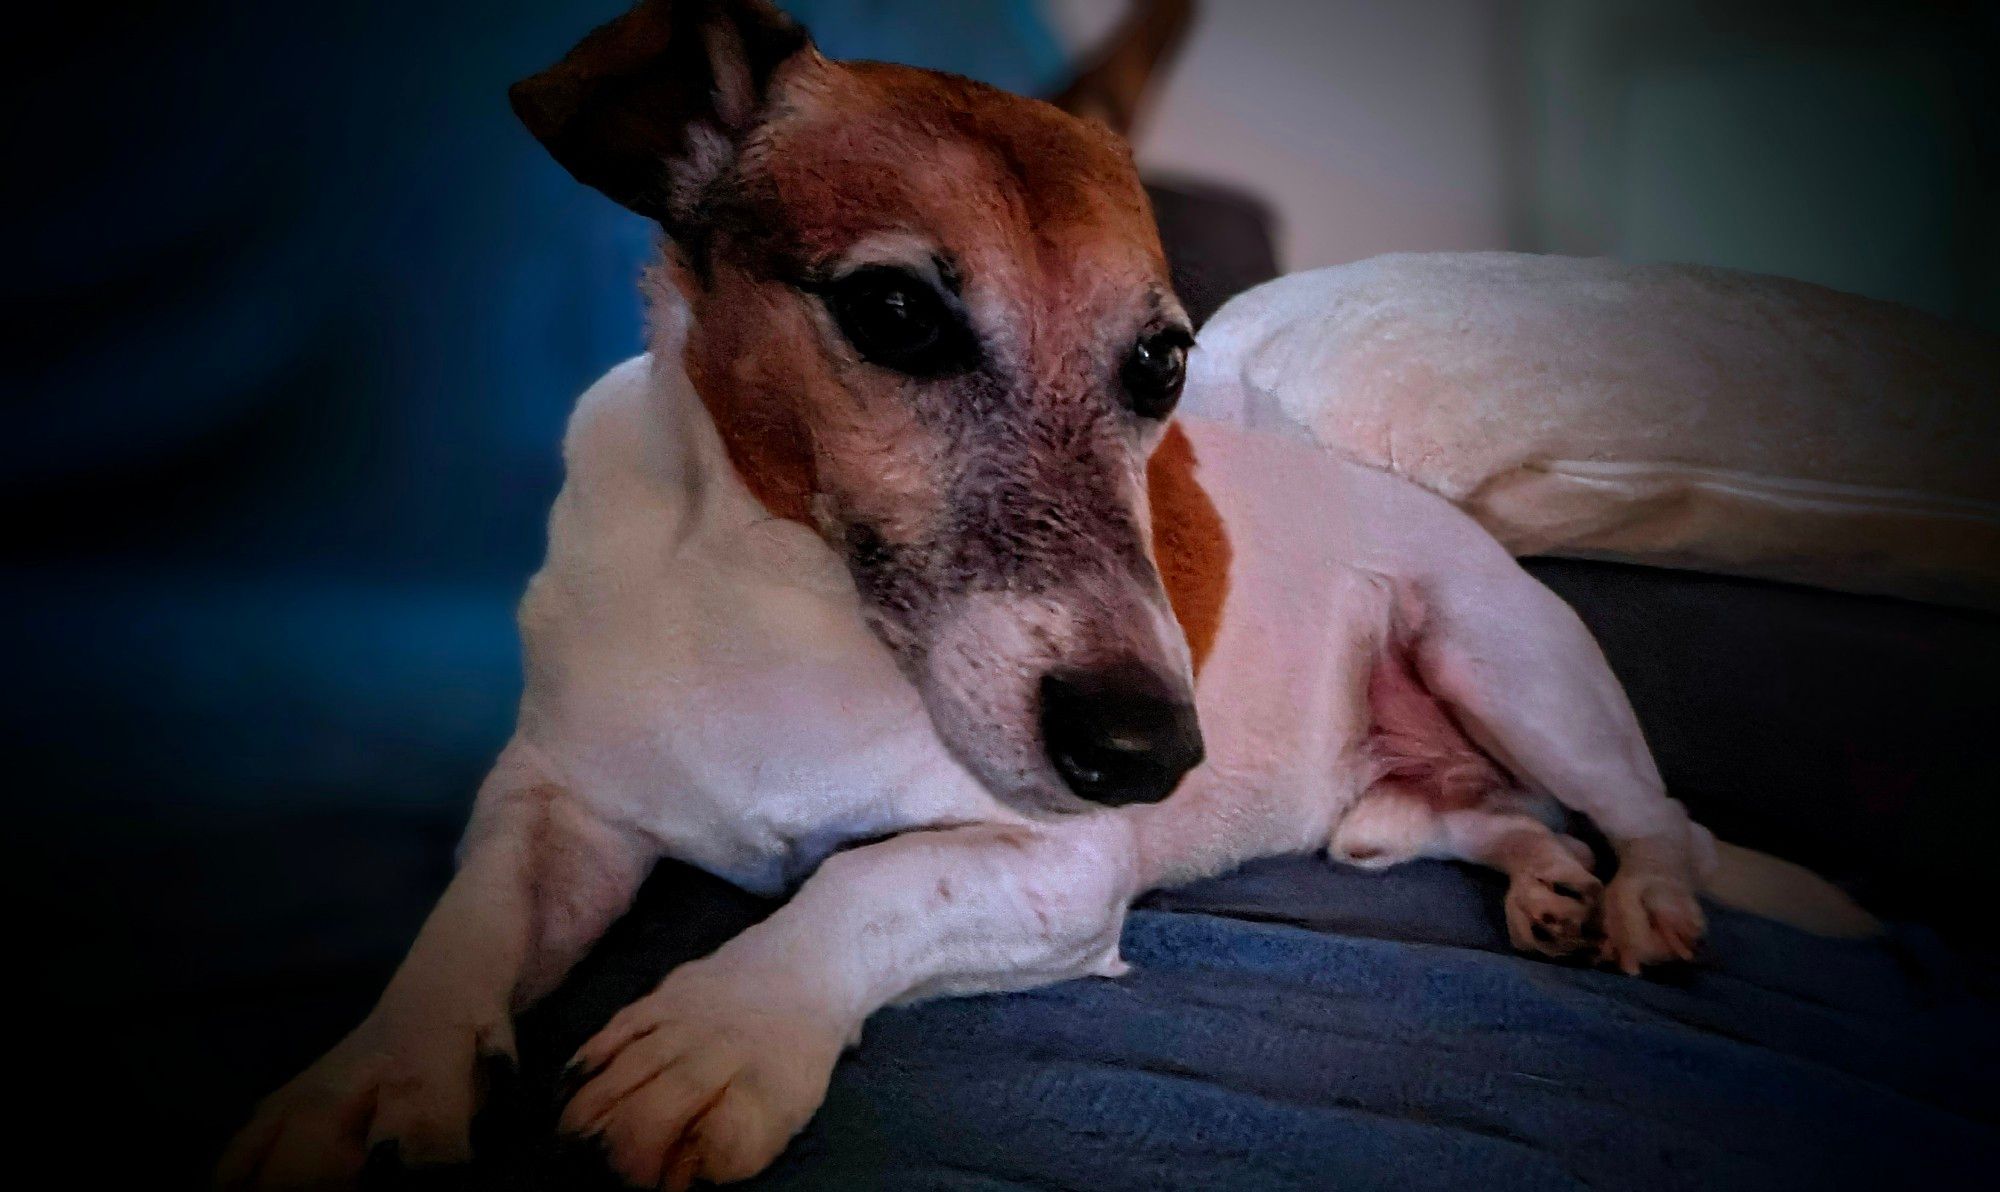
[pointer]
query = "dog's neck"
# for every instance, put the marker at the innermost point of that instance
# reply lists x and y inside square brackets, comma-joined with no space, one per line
[770,451]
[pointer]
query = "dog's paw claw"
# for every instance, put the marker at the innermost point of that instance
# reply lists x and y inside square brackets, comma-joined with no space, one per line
[1552,905]
[573,1077]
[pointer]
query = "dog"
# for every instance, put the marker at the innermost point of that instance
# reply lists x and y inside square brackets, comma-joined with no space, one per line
[888,574]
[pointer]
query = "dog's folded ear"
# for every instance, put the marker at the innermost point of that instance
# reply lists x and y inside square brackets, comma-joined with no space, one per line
[648,108]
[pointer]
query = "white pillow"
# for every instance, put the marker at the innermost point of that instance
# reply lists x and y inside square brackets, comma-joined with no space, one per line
[1665,414]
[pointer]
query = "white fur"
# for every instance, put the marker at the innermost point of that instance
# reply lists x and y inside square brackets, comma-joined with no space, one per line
[699,670]
[701,685]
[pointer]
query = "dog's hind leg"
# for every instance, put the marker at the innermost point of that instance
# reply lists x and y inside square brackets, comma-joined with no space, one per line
[1438,796]
[540,878]
[1523,678]
[1552,896]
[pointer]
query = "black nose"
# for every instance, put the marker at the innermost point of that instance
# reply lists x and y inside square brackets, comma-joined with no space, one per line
[1118,734]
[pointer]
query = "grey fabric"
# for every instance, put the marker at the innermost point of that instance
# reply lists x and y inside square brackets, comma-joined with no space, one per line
[1844,732]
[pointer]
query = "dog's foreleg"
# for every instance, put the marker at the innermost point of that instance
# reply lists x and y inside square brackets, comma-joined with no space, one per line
[1526,680]
[539,879]
[711,1074]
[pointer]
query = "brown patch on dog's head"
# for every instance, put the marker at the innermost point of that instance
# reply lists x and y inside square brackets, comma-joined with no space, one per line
[932,320]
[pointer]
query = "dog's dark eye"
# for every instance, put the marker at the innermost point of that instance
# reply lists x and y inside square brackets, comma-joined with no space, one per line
[1154,371]
[897,321]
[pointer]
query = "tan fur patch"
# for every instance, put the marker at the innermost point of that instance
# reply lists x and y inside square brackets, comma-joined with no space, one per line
[1042,212]
[1190,543]
[744,368]
[769,446]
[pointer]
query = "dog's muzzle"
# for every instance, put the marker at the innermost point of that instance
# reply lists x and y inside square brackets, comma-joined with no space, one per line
[1118,734]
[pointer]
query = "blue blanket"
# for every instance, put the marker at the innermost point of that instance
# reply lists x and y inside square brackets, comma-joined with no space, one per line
[1299,1025]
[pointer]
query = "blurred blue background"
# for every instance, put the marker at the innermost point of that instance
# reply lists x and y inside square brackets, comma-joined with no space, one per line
[305,310]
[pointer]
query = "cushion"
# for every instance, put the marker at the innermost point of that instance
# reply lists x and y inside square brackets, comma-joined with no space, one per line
[1665,414]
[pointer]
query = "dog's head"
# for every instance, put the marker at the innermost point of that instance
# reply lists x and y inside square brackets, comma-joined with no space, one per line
[931,320]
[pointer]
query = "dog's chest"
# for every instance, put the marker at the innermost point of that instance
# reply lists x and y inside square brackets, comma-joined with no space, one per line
[1284,697]
[702,672]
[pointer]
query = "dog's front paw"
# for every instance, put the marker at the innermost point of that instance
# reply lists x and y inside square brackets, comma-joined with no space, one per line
[387,1097]
[1650,918]
[705,1078]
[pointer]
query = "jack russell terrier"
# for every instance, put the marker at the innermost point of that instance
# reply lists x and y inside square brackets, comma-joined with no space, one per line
[886,574]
